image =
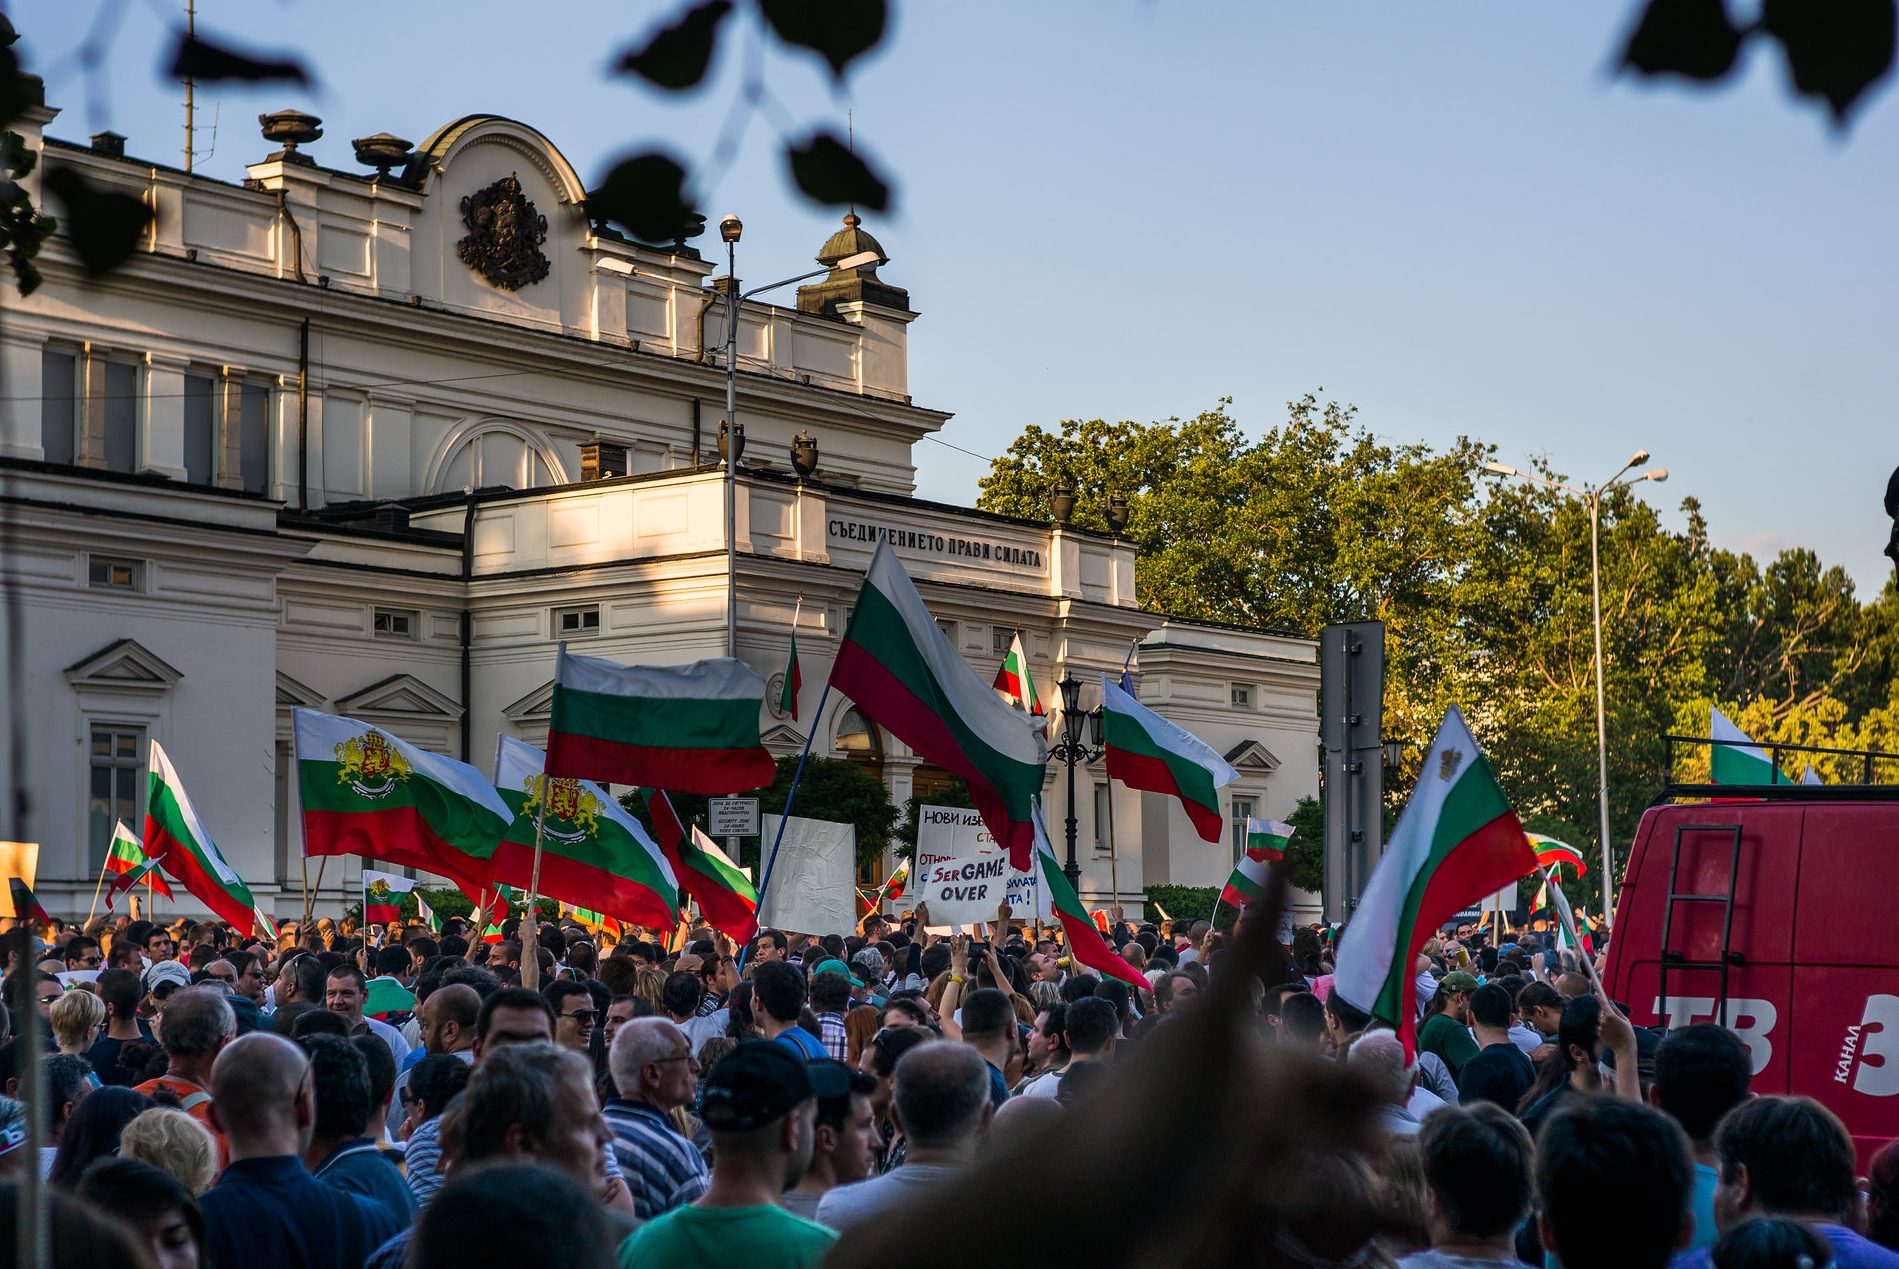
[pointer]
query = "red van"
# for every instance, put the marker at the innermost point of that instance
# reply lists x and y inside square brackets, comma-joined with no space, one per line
[1778,916]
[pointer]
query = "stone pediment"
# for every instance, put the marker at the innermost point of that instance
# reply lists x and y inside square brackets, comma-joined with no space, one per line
[125,666]
[782,740]
[399,696]
[1250,755]
[536,706]
[293,694]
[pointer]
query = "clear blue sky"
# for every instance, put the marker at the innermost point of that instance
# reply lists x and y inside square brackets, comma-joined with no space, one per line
[1454,216]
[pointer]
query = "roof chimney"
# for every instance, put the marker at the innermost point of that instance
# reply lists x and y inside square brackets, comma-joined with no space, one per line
[110,144]
[601,459]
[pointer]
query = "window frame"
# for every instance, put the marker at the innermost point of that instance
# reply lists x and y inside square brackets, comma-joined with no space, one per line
[1239,810]
[96,849]
[137,566]
[1239,695]
[557,616]
[410,615]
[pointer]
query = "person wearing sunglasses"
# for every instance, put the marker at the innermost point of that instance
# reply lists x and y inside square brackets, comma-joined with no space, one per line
[575,1016]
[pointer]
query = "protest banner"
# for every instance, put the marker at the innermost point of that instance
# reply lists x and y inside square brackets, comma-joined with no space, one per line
[963,874]
[817,874]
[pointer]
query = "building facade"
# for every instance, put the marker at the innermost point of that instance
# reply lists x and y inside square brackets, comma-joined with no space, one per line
[374,442]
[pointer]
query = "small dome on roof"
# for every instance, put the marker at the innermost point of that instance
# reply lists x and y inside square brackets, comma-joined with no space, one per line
[847,242]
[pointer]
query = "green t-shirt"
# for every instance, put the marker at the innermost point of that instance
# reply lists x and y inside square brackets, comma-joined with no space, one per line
[1449,1039]
[754,1237]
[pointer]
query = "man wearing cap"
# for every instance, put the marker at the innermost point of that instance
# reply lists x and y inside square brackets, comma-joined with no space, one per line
[831,984]
[1445,1029]
[161,980]
[758,1105]
[844,1140]
[654,1073]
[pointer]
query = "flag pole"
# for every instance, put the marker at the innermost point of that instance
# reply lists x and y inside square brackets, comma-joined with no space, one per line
[93,910]
[530,919]
[309,896]
[778,837]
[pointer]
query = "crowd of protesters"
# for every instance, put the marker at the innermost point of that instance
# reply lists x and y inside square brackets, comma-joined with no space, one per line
[396,1097]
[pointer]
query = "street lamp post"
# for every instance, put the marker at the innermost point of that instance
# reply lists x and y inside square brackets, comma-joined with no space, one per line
[730,229]
[1592,499]
[1072,749]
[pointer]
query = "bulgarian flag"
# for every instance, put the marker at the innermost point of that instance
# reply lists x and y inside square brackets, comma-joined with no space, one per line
[175,837]
[367,792]
[25,906]
[265,924]
[1013,681]
[127,856]
[1266,840]
[693,728]
[382,896]
[726,898]
[1247,883]
[1085,944]
[1550,852]
[1457,841]
[1147,752]
[794,677]
[147,871]
[493,934]
[1740,760]
[592,850]
[427,914]
[897,666]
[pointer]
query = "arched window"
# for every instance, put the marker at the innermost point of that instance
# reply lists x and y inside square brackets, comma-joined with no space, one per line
[859,740]
[497,456]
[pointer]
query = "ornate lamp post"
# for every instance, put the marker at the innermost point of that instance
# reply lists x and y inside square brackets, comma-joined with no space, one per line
[1073,749]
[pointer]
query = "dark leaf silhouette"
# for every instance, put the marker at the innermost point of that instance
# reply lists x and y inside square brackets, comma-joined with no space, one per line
[104,225]
[677,56]
[839,30]
[205,61]
[646,196]
[828,172]
[1692,38]
[1836,49]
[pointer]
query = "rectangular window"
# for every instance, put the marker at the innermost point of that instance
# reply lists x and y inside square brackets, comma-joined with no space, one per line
[201,430]
[121,416]
[1242,811]
[1102,838]
[253,437]
[104,572]
[116,761]
[999,640]
[1241,696]
[59,405]
[577,622]
[949,631]
[394,623]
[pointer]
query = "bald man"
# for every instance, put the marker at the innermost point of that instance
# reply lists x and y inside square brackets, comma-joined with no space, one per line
[266,1209]
[447,1018]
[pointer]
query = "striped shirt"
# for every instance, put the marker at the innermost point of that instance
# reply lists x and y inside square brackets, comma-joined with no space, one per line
[831,1034]
[663,1170]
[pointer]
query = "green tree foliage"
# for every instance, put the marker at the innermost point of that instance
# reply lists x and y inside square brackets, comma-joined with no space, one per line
[1484,589]
[832,789]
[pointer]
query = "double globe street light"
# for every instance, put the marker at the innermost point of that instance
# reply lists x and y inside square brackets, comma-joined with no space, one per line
[1592,499]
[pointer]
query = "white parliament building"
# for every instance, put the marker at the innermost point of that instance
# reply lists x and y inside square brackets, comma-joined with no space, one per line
[372,438]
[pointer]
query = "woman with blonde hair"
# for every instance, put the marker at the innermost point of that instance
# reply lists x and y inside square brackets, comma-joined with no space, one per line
[173,1142]
[651,984]
[76,1018]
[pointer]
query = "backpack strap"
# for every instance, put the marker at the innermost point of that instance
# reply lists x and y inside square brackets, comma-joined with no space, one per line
[192,1101]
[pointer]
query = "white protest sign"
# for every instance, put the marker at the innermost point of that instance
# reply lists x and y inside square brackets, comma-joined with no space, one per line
[814,883]
[964,875]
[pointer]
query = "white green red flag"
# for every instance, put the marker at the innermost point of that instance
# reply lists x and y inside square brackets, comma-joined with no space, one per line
[368,792]
[726,898]
[592,851]
[382,896]
[1734,758]
[690,728]
[427,914]
[26,907]
[1015,683]
[1247,883]
[1550,852]
[126,857]
[265,924]
[147,871]
[1085,944]
[176,838]
[1457,841]
[1266,839]
[898,667]
[794,674]
[1147,752]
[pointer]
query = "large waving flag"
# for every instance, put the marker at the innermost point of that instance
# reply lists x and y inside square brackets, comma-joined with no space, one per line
[367,792]
[897,666]
[1550,852]
[690,728]
[593,853]
[1014,682]
[1147,752]
[175,837]
[1266,839]
[127,857]
[1247,883]
[1085,943]
[1457,841]
[1740,760]
[726,898]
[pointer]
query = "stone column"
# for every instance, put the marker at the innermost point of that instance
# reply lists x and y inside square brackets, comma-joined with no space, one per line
[228,438]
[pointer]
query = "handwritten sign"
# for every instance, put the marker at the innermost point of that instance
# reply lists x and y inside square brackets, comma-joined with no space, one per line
[964,875]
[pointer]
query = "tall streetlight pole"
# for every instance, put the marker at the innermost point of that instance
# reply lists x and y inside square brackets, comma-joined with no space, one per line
[1072,749]
[1592,499]
[731,435]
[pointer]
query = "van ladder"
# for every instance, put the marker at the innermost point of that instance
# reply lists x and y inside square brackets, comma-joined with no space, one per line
[1674,959]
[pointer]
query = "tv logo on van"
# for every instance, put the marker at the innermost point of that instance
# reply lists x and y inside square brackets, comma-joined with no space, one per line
[1869,1052]
[1752,1020]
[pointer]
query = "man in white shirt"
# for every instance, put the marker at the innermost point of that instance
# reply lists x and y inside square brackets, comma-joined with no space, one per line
[344,993]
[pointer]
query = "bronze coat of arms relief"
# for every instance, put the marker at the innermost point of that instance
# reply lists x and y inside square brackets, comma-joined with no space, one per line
[505,234]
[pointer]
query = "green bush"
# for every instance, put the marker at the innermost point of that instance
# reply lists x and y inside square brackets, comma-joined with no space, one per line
[1183,903]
